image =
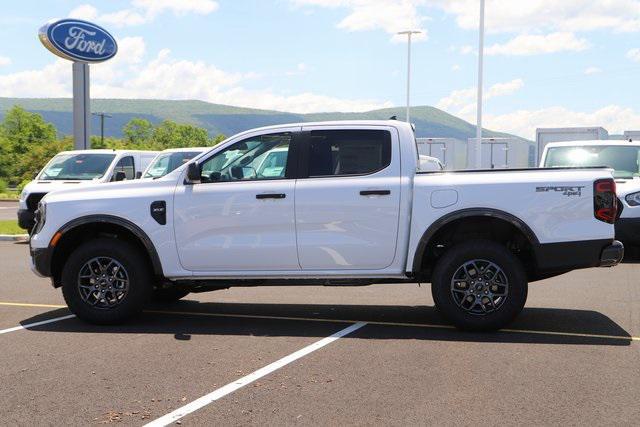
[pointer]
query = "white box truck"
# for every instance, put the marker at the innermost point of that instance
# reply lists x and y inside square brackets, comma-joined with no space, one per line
[547,135]
[451,152]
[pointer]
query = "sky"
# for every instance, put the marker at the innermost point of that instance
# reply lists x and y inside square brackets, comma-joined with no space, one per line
[548,63]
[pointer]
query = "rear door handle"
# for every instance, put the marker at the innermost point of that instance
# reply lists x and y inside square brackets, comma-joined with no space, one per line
[271,196]
[375,192]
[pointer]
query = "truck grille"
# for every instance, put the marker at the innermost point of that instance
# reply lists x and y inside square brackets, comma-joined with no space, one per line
[33,200]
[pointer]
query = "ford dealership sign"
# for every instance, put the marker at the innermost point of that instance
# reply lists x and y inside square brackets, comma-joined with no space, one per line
[78,40]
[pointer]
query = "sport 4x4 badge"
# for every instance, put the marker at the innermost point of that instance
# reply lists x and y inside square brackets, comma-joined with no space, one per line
[565,190]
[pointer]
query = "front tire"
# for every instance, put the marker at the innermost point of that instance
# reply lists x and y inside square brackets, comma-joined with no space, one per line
[479,286]
[106,281]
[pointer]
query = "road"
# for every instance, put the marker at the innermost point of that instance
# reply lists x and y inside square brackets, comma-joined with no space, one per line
[8,210]
[570,358]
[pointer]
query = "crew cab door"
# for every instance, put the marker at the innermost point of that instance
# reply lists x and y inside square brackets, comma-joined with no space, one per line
[348,198]
[241,216]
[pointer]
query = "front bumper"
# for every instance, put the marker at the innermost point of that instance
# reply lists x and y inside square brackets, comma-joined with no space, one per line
[26,219]
[628,231]
[41,261]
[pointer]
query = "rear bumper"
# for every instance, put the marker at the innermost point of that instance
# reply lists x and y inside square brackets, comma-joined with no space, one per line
[567,256]
[628,231]
[26,219]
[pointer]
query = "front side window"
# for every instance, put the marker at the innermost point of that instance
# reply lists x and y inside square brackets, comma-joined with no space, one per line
[168,162]
[255,158]
[125,165]
[348,152]
[69,166]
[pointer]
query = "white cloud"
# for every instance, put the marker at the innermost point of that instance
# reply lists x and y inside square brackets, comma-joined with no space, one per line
[127,75]
[455,67]
[614,118]
[301,68]
[390,16]
[592,70]
[634,54]
[463,102]
[143,11]
[546,15]
[528,44]
[467,49]
[4,61]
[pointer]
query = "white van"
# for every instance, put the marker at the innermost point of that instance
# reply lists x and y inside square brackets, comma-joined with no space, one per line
[171,159]
[70,168]
[620,155]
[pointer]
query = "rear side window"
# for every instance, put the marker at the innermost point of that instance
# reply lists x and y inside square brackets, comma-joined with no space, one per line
[348,152]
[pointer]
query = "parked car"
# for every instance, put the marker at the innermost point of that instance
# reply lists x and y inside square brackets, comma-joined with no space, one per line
[72,168]
[350,209]
[624,158]
[428,163]
[169,160]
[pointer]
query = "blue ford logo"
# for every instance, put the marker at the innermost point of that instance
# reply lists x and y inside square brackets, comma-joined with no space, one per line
[78,40]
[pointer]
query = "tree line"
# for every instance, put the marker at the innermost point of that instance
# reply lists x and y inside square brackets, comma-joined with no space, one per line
[27,142]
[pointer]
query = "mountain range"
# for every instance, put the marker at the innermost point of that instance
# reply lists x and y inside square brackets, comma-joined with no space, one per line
[228,120]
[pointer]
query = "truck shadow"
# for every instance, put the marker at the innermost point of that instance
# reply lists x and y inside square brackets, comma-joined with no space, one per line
[187,318]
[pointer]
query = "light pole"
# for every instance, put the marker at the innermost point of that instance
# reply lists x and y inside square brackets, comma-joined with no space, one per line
[480,82]
[409,33]
[102,116]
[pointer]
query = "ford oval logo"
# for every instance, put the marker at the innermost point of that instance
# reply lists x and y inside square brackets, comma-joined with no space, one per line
[78,40]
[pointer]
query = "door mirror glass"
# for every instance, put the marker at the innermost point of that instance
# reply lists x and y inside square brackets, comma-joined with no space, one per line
[193,173]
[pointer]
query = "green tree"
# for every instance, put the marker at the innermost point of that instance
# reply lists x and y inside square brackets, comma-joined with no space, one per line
[23,135]
[138,132]
[170,134]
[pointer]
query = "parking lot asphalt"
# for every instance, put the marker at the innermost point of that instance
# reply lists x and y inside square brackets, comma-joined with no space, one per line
[8,210]
[572,357]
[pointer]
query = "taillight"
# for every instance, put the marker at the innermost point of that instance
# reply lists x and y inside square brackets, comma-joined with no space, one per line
[605,202]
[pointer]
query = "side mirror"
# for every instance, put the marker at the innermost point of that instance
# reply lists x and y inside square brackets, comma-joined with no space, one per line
[120,176]
[138,174]
[237,172]
[193,173]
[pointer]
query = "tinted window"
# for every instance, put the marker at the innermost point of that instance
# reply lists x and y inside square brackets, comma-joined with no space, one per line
[125,165]
[168,162]
[625,160]
[348,152]
[260,157]
[77,166]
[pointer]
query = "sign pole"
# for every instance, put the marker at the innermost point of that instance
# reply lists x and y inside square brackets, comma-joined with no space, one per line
[81,107]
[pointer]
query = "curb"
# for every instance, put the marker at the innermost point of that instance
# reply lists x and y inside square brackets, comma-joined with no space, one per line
[9,200]
[13,237]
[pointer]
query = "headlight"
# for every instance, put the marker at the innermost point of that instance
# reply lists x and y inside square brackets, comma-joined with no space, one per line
[40,217]
[633,199]
[23,195]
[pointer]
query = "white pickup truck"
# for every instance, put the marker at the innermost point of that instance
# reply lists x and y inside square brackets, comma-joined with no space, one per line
[620,155]
[78,167]
[345,205]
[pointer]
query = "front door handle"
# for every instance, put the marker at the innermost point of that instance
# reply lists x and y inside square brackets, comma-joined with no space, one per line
[271,196]
[375,192]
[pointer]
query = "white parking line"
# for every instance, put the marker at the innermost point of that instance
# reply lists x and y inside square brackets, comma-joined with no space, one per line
[31,325]
[231,387]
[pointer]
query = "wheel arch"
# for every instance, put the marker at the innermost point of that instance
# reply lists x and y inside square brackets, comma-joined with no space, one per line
[83,228]
[482,214]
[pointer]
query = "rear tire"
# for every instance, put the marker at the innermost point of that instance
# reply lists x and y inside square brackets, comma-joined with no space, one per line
[106,281]
[479,285]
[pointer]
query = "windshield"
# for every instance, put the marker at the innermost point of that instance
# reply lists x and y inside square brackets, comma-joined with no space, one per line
[168,162]
[71,166]
[623,160]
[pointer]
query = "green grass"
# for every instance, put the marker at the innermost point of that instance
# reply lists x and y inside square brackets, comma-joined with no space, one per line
[12,195]
[10,226]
